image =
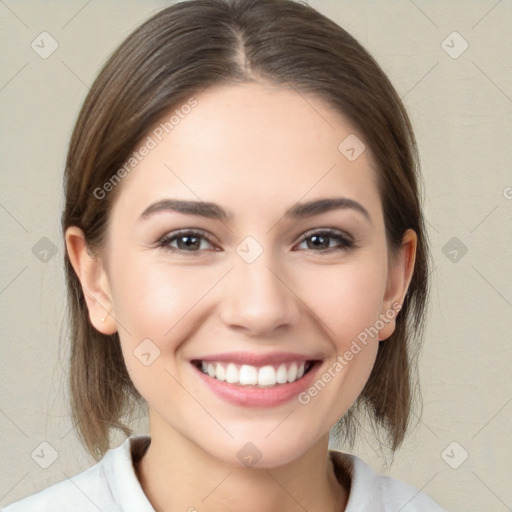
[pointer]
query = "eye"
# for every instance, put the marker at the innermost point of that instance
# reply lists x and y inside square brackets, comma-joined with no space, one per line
[186,241]
[325,240]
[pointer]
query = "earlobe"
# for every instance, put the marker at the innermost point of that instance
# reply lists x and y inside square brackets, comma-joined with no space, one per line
[94,280]
[401,269]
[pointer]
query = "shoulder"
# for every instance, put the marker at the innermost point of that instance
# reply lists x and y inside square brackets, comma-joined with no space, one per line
[370,491]
[111,485]
[87,491]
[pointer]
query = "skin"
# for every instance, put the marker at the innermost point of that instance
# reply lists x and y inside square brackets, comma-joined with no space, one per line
[256,151]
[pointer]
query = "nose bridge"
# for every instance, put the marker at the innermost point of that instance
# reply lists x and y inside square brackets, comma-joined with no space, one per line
[258,298]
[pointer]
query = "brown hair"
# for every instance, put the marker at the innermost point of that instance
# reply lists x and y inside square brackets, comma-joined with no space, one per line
[177,53]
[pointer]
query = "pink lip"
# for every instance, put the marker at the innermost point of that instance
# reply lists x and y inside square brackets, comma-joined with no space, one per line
[256,359]
[249,396]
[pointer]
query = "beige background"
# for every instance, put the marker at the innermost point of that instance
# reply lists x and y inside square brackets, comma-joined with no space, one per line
[461,109]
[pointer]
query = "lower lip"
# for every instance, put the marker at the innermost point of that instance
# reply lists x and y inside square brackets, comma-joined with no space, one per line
[258,397]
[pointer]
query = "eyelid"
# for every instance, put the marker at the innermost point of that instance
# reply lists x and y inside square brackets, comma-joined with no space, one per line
[164,241]
[345,241]
[328,231]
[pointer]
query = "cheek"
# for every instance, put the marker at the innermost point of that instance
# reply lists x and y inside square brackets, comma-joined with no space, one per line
[156,300]
[347,298]
[156,307]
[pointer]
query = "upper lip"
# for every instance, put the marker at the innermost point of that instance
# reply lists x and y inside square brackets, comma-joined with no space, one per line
[254,359]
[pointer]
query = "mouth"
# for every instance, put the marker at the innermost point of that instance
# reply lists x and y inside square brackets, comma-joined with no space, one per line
[255,376]
[263,381]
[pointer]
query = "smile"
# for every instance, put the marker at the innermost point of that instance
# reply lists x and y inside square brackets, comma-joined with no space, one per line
[248,375]
[249,379]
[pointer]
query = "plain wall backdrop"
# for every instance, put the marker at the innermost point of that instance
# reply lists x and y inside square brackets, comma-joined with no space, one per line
[451,62]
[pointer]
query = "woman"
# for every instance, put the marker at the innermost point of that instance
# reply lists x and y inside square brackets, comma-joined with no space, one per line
[246,255]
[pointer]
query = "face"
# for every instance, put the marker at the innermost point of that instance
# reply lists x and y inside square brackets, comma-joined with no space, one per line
[245,264]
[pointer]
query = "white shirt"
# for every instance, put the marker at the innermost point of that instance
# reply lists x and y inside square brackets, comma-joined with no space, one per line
[111,485]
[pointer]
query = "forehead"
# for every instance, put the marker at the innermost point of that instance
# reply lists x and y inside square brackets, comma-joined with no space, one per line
[246,145]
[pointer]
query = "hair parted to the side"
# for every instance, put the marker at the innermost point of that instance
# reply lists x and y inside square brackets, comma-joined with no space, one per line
[175,55]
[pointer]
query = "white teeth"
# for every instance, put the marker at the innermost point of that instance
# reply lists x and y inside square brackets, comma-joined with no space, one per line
[247,375]
[232,374]
[282,374]
[292,373]
[220,372]
[266,376]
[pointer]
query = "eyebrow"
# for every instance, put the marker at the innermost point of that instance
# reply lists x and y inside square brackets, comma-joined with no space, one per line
[325,205]
[200,208]
[214,211]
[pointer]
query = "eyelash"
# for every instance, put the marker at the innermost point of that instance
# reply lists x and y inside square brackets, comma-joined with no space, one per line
[345,242]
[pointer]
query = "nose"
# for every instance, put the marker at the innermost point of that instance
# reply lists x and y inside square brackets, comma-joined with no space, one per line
[259,298]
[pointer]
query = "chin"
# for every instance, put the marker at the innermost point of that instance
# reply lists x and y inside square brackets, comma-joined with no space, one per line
[260,452]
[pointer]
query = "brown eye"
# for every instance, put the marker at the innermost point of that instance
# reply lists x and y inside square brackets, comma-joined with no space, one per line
[186,241]
[325,240]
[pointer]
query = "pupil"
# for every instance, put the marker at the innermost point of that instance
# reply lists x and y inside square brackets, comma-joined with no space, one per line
[188,242]
[320,241]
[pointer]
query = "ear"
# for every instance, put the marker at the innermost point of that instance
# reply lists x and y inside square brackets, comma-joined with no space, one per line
[93,278]
[401,267]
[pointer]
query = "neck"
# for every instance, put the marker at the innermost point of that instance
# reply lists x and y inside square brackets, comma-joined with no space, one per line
[176,475]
